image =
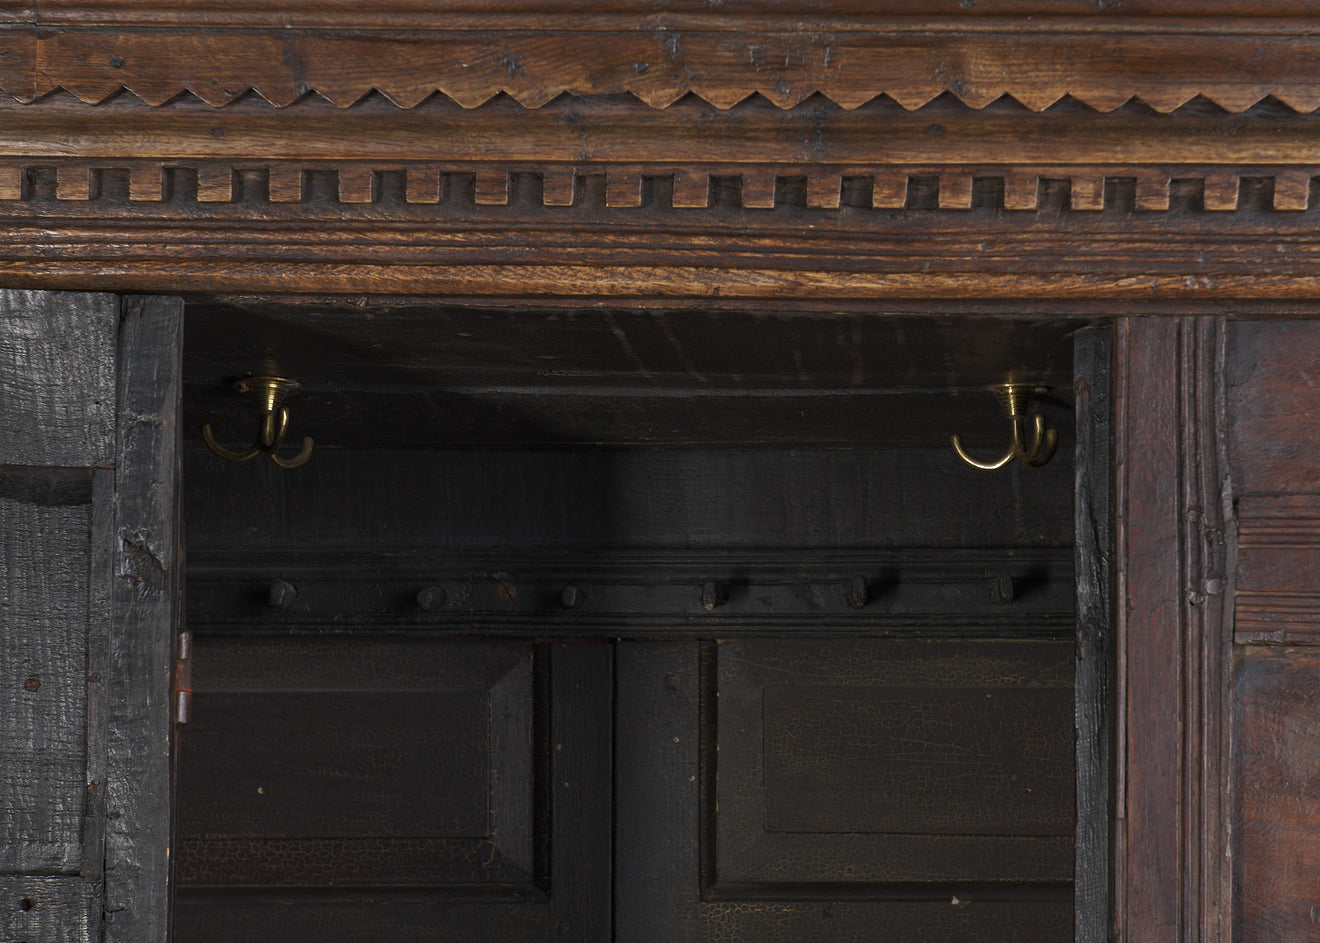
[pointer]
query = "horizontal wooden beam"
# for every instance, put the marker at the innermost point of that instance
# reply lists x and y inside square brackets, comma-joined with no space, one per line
[521,14]
[154,270]
[525,52]
[900,591]
[605,197]
[234,236]
[612,131]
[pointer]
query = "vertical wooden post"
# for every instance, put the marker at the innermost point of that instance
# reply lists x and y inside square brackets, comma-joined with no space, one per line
[1172,680]
[1093,354]
[148,564]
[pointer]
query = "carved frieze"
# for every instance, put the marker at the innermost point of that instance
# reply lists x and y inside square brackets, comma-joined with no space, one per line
[1012,151]
[722,56]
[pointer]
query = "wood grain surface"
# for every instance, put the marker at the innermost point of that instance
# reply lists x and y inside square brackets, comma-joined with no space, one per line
[1277,799]
[56,379]
[1270,399]
[972,177]
[866,762]
[58,371]
[722,59]
[45,564]
[469,14]
[1172,879]
[1274,447]
[1278,565]
[621,137]
[1095,705]
[661,255]
[146,541]
[49,909]
[1154,156]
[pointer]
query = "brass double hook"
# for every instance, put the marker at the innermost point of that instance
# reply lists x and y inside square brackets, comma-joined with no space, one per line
[1032,447]
[268,393]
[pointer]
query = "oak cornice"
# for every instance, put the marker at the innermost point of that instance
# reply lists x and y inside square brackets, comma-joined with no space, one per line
[535,53]
[121,180]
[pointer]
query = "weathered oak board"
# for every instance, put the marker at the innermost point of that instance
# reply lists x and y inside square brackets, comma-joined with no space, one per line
[57,430]
[45,561]
[1277,792]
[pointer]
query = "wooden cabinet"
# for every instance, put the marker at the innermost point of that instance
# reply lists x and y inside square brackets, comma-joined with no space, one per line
[655,668]
[631,341]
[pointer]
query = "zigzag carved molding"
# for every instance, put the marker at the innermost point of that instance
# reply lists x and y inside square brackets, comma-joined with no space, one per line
[659,64]
[252,185]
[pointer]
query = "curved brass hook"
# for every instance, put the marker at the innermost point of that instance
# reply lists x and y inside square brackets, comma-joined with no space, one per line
[1034,450]
[268,393]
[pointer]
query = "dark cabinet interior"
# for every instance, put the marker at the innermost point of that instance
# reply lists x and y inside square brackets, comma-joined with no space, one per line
[627,624]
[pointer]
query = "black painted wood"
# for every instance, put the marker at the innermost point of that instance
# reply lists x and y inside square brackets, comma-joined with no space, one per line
[979,918]
[613,417]
[494,829]
[430,376]
[671,832]
[148,563]
[57,378]
[658,785]
[367,761]
[581,762]
[896,591]
[708,516]
[1093,885]
[338,345]
[45,548]
[588,501]
[49,909]
[57,374]
[897,761]
[100,629]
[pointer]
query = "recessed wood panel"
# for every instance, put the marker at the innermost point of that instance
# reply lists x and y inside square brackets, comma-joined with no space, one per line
[918,760]
[358,761]
[1274,430]
[344,764]
[450,786]
[875,762]
[673,846]
[1277,770]
[45,553]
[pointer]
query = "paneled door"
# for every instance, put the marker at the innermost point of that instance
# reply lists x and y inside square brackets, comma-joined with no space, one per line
[90,565]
